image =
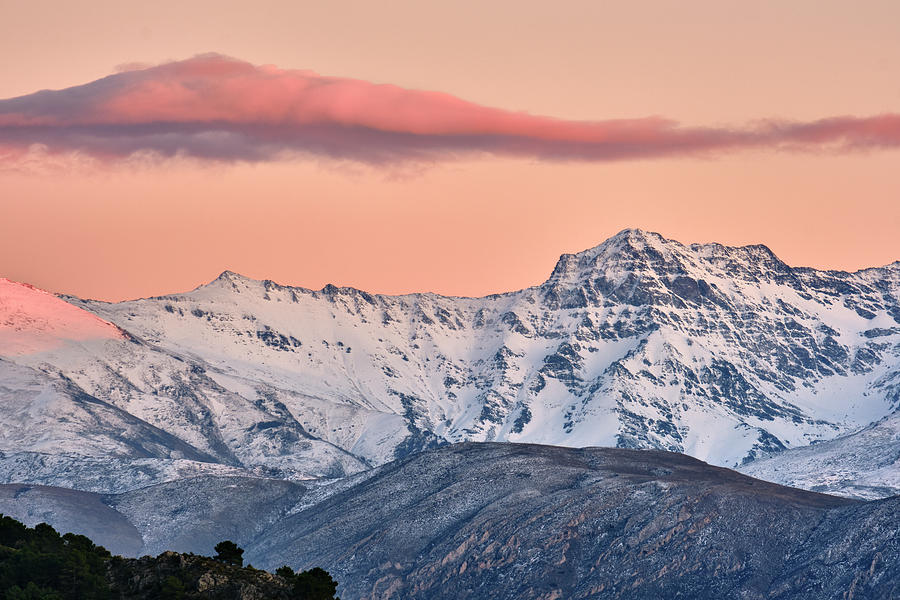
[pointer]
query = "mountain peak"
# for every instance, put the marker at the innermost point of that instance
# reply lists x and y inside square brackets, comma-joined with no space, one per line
[230,276]
[634,255]
[629,240]
[627,249]
[229,280]
[635,233]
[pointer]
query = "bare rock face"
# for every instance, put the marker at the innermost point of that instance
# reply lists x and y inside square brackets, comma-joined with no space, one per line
[522,521]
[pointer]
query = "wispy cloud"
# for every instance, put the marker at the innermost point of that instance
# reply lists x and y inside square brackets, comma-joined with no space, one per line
[217,108]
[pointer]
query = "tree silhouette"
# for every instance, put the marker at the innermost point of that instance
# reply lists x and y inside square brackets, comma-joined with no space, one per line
[40,564]
[286,572]
[315,584]
[229,553]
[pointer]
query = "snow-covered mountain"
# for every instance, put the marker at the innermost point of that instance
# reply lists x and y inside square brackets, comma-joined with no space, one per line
[864,464]
[106,412]
[726,354]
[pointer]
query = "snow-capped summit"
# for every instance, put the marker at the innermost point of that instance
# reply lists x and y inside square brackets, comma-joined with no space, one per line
[639,267]
[624,249]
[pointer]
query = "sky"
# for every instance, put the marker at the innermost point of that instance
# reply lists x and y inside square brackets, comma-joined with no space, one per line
[455,147]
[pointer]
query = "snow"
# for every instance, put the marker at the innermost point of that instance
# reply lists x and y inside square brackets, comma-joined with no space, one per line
[864,464]
[32,320]
[255,375]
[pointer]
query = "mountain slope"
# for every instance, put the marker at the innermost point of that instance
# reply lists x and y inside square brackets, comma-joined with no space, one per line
[523,521]
[72,511]
[506,521]
[32,320]
[110,413]
[864,464]
[191,514]
[52,432]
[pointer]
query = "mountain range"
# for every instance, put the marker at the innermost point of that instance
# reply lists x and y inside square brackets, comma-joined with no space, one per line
[723,353]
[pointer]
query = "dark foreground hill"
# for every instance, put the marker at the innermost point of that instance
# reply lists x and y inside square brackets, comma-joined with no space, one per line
[513,521]
[523,521]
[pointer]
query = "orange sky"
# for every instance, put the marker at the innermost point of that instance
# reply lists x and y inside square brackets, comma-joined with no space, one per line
[480,224]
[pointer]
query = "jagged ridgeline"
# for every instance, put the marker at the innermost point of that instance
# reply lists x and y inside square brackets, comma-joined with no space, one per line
[726,354]
[40,564]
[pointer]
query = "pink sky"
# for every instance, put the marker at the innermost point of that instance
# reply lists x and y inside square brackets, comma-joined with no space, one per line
[503,158]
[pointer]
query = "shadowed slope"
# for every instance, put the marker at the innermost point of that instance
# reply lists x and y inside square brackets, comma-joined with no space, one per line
[516,521]
[73,511]
[525,521]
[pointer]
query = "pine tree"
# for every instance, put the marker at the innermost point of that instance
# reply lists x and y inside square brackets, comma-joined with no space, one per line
[229,553]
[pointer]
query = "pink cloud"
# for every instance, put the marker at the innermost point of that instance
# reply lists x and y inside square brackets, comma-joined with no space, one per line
[217,108]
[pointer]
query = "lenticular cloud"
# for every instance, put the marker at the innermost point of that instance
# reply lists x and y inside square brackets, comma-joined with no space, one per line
[216,108]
